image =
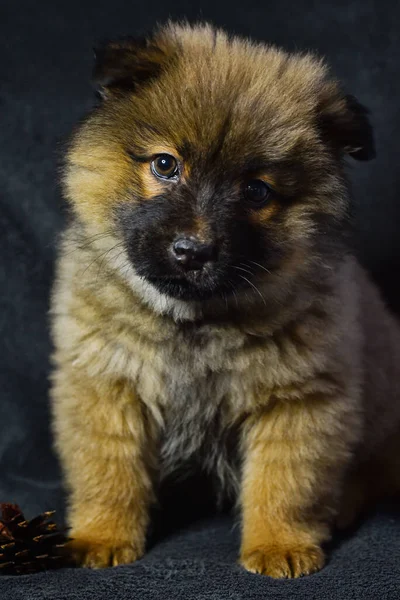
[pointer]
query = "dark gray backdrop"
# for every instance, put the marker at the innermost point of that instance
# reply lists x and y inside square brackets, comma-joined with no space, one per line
[45,64]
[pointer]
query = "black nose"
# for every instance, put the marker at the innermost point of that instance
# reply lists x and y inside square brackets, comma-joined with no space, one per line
[191,253]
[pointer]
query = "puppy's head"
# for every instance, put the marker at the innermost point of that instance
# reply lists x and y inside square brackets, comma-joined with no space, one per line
[217,163]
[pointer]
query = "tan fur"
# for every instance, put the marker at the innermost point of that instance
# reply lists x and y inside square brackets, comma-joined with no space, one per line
[307,379]
[266,213]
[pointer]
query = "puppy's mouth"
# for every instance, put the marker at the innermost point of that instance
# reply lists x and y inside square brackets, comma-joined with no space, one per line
[193,286]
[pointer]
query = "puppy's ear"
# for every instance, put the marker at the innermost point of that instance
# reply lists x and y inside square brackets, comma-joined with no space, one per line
[125,64]
[346,125]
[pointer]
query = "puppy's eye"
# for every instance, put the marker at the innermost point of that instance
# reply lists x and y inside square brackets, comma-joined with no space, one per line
[257,193]
[164,166]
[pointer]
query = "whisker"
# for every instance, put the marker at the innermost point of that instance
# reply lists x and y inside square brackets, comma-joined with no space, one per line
[115,258]
[105,254]
[261,266]
[98,257]
[233,292]
[226,300]
[274,273]
[224,297]
[90,241]
[242,269]
[255,288]
[126,266]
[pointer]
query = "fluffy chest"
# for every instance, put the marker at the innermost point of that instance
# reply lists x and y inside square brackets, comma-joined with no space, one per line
[200,391]
[197,394]
[197,429]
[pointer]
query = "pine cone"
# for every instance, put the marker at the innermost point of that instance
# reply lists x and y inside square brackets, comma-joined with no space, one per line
[29,546]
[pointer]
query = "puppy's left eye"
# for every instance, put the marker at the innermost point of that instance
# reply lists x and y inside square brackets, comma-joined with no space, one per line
[257,193]
[164,166]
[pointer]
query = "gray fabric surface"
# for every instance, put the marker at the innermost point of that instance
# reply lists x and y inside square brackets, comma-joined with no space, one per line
[44,88]
[199,564]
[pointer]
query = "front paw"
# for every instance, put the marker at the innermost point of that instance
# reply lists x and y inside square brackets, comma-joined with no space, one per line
[283,562]
[100,554]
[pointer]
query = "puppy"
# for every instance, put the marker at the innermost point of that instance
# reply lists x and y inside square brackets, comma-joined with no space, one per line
[208,311]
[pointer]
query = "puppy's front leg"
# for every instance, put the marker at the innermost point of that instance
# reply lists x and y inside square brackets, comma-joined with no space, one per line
[107,451]
[294,458]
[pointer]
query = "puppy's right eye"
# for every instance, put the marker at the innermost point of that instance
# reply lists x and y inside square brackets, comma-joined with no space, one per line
[257,193]
[165,166]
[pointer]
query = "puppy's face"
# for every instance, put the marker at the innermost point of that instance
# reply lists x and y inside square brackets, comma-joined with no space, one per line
[217,163]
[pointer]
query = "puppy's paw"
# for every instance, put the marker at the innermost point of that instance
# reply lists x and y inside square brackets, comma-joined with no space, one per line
[283,562]
[100,554]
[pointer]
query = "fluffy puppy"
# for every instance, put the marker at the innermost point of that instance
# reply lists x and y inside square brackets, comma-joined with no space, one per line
[208,312]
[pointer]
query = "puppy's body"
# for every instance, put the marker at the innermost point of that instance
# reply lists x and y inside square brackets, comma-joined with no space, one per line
[285,389]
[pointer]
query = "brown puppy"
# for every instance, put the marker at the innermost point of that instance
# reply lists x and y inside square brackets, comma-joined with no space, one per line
[207,308]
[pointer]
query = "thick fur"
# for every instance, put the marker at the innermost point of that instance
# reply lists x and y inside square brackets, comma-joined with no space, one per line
[276,370]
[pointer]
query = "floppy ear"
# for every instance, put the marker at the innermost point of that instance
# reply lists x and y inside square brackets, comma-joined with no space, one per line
[346,125]
[126,63]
